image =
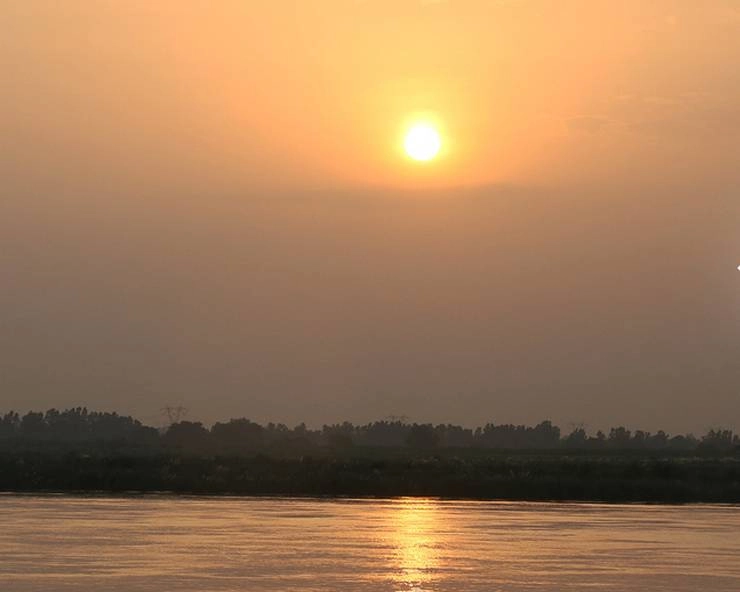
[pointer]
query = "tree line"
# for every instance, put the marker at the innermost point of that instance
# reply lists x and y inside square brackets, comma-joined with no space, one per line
[80,428]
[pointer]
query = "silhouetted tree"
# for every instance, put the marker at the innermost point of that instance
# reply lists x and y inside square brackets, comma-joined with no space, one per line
[659,440]
[717,440]
[187,436]
[339,436]
[422,436]
[576,439]
[92,431]
[10,425]
[452,436]
[688,442]
[619,437]
[238,435]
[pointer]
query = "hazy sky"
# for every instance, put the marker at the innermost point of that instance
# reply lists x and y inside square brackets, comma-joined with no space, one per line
[206,203]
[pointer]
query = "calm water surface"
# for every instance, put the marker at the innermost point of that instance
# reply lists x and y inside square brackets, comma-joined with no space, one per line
[142,544]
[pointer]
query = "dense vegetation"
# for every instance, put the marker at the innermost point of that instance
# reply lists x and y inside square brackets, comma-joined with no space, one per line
[80,428]
[78,450]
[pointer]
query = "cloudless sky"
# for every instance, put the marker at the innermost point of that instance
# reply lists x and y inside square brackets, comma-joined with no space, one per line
[207,204]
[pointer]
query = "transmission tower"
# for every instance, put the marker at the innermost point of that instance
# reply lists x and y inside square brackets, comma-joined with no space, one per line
[174,414]
[397,418]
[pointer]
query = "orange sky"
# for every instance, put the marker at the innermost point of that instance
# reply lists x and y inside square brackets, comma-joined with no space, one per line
[204,203]
[316,93]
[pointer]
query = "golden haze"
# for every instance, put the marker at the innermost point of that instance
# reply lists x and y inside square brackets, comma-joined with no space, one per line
[315,93]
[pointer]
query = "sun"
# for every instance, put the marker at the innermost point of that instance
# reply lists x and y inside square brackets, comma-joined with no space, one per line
[422,142]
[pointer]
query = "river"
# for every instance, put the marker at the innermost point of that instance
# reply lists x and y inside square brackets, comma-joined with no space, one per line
[176,544]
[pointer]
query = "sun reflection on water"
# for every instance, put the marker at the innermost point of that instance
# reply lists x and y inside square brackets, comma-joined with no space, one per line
[417,555]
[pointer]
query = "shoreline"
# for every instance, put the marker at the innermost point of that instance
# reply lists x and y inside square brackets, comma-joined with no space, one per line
[182,495]
[533,478]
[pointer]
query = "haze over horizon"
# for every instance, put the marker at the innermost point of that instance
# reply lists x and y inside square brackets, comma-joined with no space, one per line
[206,206]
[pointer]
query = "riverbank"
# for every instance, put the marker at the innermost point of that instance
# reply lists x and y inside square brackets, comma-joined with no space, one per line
[501,476]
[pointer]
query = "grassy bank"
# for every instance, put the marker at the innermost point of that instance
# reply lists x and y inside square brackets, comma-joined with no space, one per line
[521,476]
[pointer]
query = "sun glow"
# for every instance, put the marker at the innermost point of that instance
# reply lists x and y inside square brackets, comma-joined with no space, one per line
[422,142]
[418,547]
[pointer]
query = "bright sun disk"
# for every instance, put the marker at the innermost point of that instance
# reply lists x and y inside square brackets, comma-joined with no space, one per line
[422,142]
